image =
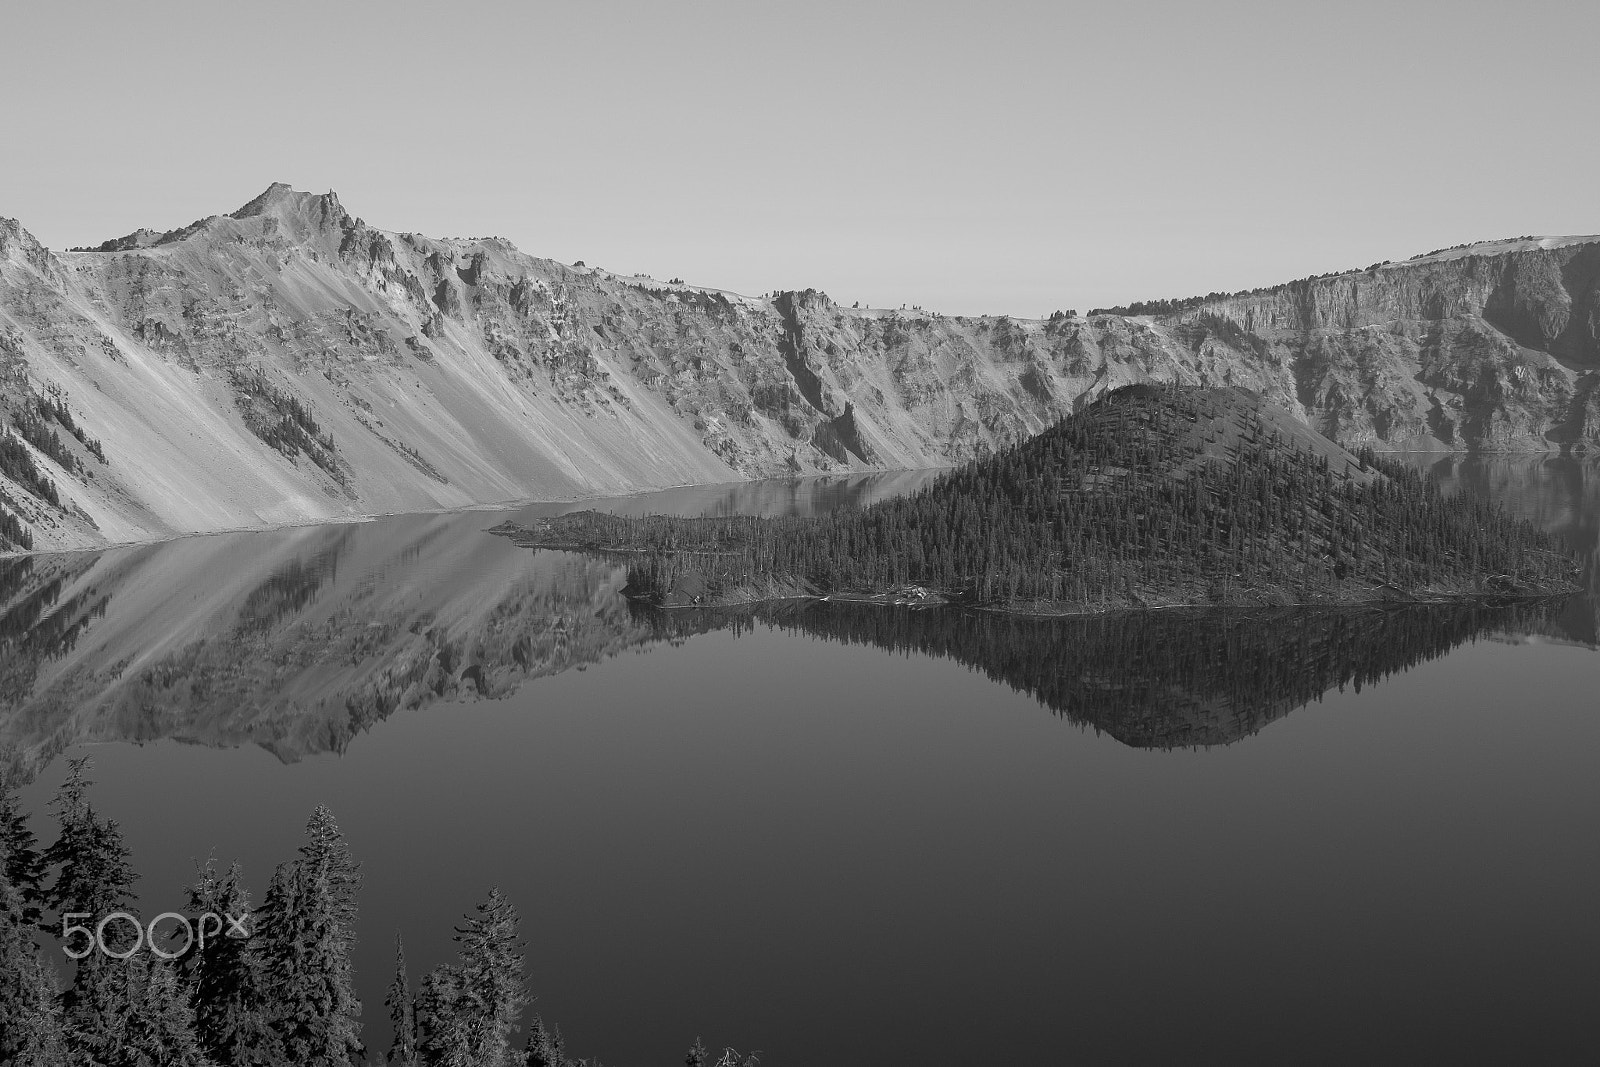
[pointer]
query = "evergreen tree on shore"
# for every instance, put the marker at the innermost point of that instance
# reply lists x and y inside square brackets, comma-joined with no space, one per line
[30,1021]
[158,1028]
[94,880]
[545,1047]
[467,1013]
[402,1011]
[326,847]
[24,863]
[491,972]
[442,1036]
[305,923]
[225,978]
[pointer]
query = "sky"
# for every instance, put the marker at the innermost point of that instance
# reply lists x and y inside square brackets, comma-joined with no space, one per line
[969,158]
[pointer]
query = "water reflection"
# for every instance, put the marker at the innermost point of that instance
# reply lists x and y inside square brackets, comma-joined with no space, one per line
[1559,494]
[1156,679]
[299,640]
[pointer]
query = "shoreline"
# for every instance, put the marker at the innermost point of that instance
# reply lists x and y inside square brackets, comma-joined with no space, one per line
[461,509]
[523,502]
[1391,597]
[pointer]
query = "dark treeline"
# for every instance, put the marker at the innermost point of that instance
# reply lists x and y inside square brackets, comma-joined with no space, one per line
[17,463]
[1151,495]
[13,533]
[1162,679]
[283,422]
[32,419]
[274,987]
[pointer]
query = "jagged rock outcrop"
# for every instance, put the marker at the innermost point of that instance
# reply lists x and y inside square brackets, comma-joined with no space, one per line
[288,363]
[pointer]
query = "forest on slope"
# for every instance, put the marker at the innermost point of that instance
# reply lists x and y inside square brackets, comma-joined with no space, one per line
[1152,496]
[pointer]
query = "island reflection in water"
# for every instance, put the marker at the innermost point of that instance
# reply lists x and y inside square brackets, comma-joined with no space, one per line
[299,640]
[1159,679]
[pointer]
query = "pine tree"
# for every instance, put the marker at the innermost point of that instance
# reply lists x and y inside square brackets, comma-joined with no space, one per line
[93,872]
[402,1011]
[443,1038]
[93,878]
[312,1003]
[540,1050]
[325,846]
[225,978]
[697,1054]
[491,977]
[35,1036]
[24,864]
[30,1024]
[158,1030]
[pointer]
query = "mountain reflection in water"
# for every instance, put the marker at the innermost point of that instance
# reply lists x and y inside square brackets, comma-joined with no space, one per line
[298,640]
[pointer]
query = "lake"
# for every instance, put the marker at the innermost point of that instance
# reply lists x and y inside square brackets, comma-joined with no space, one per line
[863,835]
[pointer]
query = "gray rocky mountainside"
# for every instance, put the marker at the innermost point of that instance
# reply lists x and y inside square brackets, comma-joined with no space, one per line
[290,364]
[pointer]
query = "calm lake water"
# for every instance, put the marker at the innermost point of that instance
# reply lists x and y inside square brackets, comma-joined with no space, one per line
[870,836]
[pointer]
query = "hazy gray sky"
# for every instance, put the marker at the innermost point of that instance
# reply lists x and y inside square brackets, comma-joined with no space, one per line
[1000,157]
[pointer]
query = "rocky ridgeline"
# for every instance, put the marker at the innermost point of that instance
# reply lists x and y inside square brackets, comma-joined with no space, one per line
[290,363]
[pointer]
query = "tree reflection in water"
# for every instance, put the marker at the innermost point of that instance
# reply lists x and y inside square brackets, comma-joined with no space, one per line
[1158,679]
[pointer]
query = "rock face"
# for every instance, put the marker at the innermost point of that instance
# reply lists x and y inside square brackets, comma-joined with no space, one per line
[1493,347]
[288,364]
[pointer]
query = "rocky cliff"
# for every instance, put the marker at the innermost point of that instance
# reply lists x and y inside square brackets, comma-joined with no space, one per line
[288,363]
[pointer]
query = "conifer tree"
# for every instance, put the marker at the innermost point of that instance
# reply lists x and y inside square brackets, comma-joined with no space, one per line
[225,977]
[491,977]
[24,864]
[325,845]
[30,1023]
[93,874]
[35,1036]
[93,878]
[402,1011]
[443,1039]
[312,1002]
[697,1054]
[158,1030]
[466,1014]
[541,1050]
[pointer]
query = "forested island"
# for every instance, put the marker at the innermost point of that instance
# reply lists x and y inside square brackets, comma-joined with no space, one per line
[1152,496]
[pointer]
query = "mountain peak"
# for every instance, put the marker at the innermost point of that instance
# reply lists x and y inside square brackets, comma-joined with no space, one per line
[280,198]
